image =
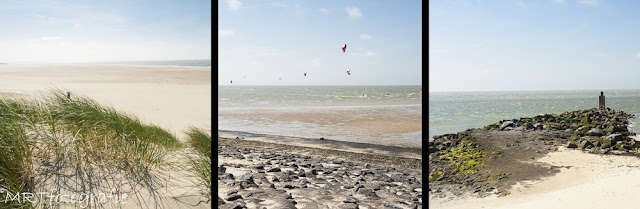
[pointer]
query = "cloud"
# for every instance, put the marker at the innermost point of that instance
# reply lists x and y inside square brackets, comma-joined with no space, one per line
[353,12]
[324,11]
[365,36]
[559,1]
[234,4]
[316,62]
[366,54]
[226,33]
[589,2]
[521,4]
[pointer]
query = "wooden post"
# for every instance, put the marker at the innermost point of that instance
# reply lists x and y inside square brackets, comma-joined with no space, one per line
[601,98]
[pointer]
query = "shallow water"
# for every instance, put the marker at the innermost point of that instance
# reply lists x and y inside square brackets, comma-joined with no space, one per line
[389,115]
[451,112]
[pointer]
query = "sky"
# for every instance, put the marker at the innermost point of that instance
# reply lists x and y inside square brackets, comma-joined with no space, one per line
[509,45]
[268,40]
[59,31]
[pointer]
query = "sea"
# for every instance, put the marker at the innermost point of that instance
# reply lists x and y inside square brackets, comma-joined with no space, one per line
[388,115]
[452,112]
[182,63]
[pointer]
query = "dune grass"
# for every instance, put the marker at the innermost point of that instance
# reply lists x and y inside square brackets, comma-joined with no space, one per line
[79,137]
[201,165]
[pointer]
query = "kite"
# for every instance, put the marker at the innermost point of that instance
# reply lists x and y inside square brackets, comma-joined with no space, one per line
[305,74]
[348,71]
[344,48]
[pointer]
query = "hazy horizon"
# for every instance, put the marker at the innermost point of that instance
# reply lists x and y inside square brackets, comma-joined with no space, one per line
[72,31]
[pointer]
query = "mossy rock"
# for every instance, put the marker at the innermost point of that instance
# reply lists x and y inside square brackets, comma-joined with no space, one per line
[585,144]
[572,144]
[606,143]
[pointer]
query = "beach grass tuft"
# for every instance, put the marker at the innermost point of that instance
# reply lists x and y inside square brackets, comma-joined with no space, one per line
[201,165]
[78,136]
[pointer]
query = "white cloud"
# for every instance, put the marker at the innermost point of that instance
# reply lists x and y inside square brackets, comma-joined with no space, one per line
[353,12]
[589,2]
[559,1]
[324,11]
[234,4]
[365,36]
[316,62]
[226,33]
[521,4]
[366,54]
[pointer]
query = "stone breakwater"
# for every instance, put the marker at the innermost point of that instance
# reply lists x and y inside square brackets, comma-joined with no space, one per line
[255,174]
[491,159]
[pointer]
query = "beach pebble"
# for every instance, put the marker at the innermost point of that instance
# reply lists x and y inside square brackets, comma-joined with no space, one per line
[350,200]
[276,169]
[234,197]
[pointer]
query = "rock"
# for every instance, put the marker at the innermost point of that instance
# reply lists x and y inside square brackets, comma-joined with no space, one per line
[220,201]
[367,192]
[234,197]
[233,191]
[615,138]
[221,170]
[506,124]
[350,200]
[276,169]
[347,206]
[595,132]
[585,144]
[572,144]
[288,186]
[259,167]
[537,126]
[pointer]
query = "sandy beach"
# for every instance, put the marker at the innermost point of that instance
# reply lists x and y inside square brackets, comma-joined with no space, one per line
[173,98]
[585,181]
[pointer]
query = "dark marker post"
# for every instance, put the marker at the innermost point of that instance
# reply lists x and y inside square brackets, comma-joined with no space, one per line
[601,98]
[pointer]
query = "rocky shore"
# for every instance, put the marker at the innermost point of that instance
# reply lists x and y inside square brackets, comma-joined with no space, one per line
[490,160]
[254,174]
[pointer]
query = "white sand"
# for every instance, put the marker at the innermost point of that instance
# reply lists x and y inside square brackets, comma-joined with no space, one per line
[592,181]
[172,97]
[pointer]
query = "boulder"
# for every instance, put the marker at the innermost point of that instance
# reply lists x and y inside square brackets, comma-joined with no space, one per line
[506,124]
[595,132]
[572,144]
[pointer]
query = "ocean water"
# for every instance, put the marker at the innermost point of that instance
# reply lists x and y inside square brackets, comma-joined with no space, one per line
[451,112]
[389,115]
[184,63]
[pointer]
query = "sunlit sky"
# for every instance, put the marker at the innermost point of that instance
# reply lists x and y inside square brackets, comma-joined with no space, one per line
[268,40]
[114,30]
[533,45]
